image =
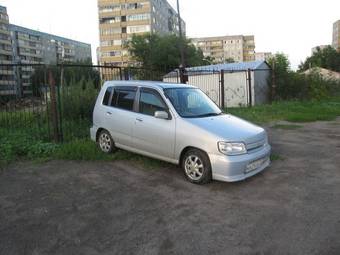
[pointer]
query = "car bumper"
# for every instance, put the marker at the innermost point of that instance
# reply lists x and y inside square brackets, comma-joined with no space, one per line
[235,168]
[93,133]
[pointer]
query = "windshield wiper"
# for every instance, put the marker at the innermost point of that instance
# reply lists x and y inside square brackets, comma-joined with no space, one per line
[208,115]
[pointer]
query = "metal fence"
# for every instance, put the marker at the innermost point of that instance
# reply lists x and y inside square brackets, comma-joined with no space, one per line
[55,103]
[230,88]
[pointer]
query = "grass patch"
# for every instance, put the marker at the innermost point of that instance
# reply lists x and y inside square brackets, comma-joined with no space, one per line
[275,157]
[293,111]
[85,149]
[287,126]
[20,145]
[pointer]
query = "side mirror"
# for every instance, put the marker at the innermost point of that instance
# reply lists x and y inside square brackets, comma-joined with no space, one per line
[161,115]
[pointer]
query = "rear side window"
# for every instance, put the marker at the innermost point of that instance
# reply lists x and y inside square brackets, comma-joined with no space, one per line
[107,95]
[123,98]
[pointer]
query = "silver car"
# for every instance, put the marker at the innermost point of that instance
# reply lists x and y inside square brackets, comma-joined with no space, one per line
[178,123]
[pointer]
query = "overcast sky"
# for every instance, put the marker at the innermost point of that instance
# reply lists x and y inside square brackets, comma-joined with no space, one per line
[290,26]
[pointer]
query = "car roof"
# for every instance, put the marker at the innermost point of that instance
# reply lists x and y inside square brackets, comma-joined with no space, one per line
[150,84]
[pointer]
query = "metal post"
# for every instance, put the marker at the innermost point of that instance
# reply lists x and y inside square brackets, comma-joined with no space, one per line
[54,114]
[60,120]
[273,88]
[120,73]
[181,46]
[222,90]
[250,88]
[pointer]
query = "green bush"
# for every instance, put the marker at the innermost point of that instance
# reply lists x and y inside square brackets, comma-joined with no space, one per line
[78,100]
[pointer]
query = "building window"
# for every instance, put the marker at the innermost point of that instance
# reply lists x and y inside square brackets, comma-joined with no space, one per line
[110,20]
[137,17]
[138,29]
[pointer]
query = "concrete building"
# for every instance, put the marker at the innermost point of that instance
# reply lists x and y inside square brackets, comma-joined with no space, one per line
[20,45]
[31,46]
[244,83]
[34,47]
[120,19]
[336,35]
[263,56]
[239,48]
[7,78]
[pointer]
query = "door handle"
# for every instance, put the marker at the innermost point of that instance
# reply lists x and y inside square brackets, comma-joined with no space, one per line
[138,119]
[109,113]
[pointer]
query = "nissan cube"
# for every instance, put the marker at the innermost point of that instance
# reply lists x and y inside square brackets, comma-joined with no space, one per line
[179,124]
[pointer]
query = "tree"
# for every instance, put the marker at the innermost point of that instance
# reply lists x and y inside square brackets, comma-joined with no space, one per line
[153,51]
[327,58]
[74,72]
[286,85]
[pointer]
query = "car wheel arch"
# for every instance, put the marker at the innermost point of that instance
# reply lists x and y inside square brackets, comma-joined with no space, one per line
[99,131]
[190,148]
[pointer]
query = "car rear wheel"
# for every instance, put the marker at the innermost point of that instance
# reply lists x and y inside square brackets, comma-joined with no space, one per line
[105,142]
[196,166]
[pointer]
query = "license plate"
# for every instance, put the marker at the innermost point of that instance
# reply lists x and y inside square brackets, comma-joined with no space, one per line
[256,164]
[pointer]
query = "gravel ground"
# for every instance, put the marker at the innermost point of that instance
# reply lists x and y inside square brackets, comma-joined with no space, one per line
[68,207]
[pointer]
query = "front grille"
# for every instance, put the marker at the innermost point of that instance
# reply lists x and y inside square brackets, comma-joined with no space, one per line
[256,145]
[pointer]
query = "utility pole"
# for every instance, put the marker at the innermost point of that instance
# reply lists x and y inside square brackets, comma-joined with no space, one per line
[181,46]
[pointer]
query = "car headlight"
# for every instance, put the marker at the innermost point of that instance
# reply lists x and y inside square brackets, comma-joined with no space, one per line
[230,149]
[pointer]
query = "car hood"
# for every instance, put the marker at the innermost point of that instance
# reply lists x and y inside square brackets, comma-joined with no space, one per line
[230,128]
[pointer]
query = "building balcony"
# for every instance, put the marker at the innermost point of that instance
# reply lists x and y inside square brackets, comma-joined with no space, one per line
[4,21]
[37,47]
[7,82]
[6,52]
[24,61]
[7,92]
[6,72]
[5,62]
[28,54]
[26,76]
[145,9]
[7,42]
[28,39]
[3,31]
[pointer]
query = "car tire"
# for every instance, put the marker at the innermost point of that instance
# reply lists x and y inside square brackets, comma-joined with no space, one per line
[196,166]
[105,142]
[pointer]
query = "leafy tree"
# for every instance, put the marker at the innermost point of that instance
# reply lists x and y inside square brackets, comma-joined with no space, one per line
[153,51]
[286,81]
[327,58]
[73,73]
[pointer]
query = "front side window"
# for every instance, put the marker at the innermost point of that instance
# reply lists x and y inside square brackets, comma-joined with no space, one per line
[151,102]
[192,103]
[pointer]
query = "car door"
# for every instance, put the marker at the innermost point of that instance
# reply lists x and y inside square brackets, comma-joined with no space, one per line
[120,114]
[152,135]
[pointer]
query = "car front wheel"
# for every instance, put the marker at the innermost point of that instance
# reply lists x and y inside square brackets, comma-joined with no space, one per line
[196,166]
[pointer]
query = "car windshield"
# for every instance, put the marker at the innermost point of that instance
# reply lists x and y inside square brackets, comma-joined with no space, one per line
[192,103]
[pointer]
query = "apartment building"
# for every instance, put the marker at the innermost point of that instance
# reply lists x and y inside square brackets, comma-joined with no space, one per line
[239,48]
[20,45]
[263,56]
[336,35]
[7,78]
[119,20]
[34,47]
